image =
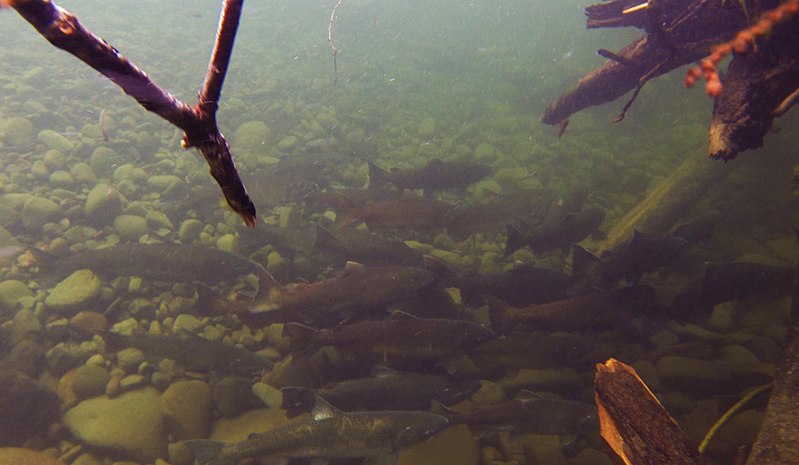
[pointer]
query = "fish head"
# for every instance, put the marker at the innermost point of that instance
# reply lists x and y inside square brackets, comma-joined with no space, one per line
[460,389]
[419,427]
[474,336]
[413,278]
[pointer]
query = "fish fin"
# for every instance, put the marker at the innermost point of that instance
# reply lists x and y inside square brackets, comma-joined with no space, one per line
[378,177]
[515,240]
[352,267]
[208,301]
[297,400]
[207,451]
[582,260]
[442,269]
[401,314]
[300,335]
[524,394]
[265,279]
[323,409]
[382,371]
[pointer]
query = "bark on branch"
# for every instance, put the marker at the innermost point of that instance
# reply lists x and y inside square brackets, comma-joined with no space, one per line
[62,29]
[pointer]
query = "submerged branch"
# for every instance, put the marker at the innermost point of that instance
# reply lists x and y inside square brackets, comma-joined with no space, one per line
[62,29]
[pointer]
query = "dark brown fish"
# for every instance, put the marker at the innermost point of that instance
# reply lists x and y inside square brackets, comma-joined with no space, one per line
[357,290]
[528,412]
[385,390]
[533,350]
[571,229]
[436,174]
[367,248]
[644,253]
[161,262]
[521,286]
[603,308]
[402,336]
[411,212]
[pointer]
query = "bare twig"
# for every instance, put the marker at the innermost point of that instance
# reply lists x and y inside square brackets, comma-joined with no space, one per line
[62,29]
[330,41]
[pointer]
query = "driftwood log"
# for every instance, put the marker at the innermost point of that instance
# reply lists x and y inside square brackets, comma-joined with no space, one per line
[62,29]
[679,32]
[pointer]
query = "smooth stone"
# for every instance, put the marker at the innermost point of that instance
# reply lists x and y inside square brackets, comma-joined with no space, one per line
[129,359]
[89,322]
[131,227]
[484,152]
[26,356]
[61,179]
[103,203]
[427,127]
[250,136]
[39,170]
[54,159]
[12,292]
[454,445]
[287,143]
[186,407]
[77,290]
[168,185]
[228,243]
[190,230]
[83,173]
[20,456]
[104,160]
[130,425]
[233,396]
[26,326]
[53,140]
[157,219]
[37,211]
[270,396]
[187,322]
[90,381]
[19,132]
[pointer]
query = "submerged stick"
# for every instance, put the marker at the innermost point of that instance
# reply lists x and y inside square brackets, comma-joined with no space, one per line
[62,29]
[330,41]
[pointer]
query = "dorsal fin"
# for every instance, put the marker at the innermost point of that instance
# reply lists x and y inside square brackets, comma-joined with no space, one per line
[352,267]
[323,410]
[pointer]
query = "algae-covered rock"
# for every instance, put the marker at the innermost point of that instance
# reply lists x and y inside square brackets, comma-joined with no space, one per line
[130,227]
[78,290]
[103,203]
[233,396]
[250,136]
[186,407]
[89,381]
[21,456]
[427,127]
[237,429]
[61,179]
[168,185]
[25,404]
[53,140]
[37,211]
[287,143]
[228,243]
[455,445]
[19,132]
[12,294]
[190,230]
[55,159]
[130,425]
[104,160]
[83,173]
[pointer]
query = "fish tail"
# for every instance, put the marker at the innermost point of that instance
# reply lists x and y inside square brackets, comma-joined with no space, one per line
[496,313]
[207,452]
[297,400]
[378,177]
[515,240]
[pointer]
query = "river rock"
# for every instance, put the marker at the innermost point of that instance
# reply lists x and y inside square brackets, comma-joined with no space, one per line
[61,179]
[250,136]
[37,211]
[104,160]
[692,374]
[25,404]
[168,185]
[233,396]
[89,322]
[427,127]
[83,173]
[79,289]
[19,132]
[190,230]
[186,407]
[130,425]
[103,203]
[237,429]
[131,227]
[20,456]
[12,294]
[54,159]
[89,381]
[53,140]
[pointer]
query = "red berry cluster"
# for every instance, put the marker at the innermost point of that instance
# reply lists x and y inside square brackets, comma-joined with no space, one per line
[742,43]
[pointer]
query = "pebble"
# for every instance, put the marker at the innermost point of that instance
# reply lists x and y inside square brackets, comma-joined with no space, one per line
[234,396]
[186,407]
[131,227]
[129,425]
[77,290]
[61,179]
[55,141]
[129,359]
[90,381]
[190,230]
[83,173]
[89,322]
[20,456]
[18,132]
[37,211]
[187,322]
[103,203]
[12,293]
[250,136]
[239,428]
[271,397]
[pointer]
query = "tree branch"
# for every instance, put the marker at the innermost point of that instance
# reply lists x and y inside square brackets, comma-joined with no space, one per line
[62,29]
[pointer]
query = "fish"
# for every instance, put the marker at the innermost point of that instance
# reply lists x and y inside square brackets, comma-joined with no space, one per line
[194,352]
[410,212]
[533,350]
[644,253]
[170,262]
[367,248]
[357,290]
[698,229]
[604,308]
[436,174]
[572,229]
[529,412]
[297,239]
[329,434]
[386,389]
[725,281]
[402,336]
[521,286]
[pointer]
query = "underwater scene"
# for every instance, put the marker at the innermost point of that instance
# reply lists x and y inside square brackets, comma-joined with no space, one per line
[433,269]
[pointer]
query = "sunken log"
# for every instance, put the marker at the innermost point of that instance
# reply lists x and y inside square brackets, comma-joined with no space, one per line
[63,30]
[776,443]
[679,32]
[634,423]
